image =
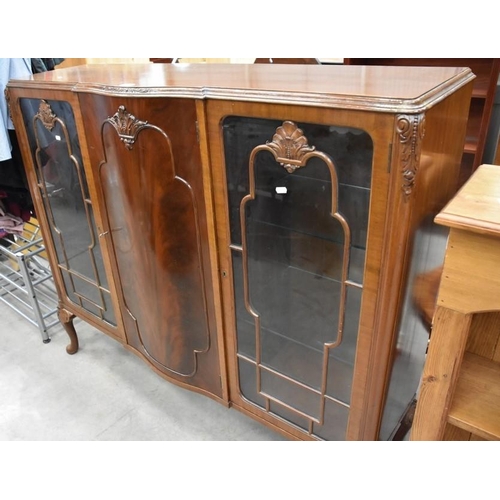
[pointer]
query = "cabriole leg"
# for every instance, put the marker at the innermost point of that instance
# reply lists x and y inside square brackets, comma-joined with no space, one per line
[66,319]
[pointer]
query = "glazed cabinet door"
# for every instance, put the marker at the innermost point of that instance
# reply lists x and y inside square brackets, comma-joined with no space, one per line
[147,165]
[295,196]
[53,151]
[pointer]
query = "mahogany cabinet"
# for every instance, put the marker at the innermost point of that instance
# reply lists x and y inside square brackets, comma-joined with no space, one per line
[253,231]
[483,95]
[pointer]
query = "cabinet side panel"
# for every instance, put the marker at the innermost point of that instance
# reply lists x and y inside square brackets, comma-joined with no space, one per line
[436,181]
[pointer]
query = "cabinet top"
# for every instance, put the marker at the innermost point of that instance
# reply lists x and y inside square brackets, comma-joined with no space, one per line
[382,88]
[476,207]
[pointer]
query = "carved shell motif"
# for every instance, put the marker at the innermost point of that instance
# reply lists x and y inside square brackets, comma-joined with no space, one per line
[290,146]
[46,115]
[127,126]
[411,130]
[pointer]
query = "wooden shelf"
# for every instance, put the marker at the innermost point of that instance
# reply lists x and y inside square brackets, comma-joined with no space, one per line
[459,396]
[476,403]
[470,145]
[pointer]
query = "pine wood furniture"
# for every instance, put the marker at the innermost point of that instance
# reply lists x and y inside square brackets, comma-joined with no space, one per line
[460,394]
[483,95]
[251,231]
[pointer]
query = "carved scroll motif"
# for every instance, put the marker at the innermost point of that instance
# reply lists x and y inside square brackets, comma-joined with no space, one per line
[127,126]
[290,146]
[411,130]
[46,115]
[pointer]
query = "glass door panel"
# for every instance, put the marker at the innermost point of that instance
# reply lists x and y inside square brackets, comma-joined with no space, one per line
[63,187]
[298,202]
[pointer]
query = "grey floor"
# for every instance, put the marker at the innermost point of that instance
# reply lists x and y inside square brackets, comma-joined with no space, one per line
[102,393]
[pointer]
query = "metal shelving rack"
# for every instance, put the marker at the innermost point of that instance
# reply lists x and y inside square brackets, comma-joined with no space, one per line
[26,283]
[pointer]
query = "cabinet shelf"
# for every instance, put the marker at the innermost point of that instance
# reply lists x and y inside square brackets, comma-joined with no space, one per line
[470,145]
[476,403]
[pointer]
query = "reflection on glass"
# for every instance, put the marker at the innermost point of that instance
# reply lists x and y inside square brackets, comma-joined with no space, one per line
[298,241]
[63,187]
[429,248]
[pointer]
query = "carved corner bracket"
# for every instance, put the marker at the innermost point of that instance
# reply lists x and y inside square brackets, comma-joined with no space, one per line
[46,115]
[411,131]
[290,146]
[127,126]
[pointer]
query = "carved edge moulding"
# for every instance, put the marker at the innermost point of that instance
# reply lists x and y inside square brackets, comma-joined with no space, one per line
[389,105]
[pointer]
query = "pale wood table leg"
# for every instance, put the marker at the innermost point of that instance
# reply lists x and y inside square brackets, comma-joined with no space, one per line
[66,319]
[446,350]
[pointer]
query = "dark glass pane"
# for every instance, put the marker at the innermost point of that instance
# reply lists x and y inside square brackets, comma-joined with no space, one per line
[248,382]
[56,153]
[350,149]
[289,415]
[429,249]
[335,426]
[291,394]
[341,358]
[245,326]
[293,259]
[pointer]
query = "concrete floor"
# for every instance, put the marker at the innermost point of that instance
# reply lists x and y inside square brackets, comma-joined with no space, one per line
[102,393]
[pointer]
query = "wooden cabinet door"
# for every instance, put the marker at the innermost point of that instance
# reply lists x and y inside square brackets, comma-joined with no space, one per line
[297,198]
[54,159]
[147,166]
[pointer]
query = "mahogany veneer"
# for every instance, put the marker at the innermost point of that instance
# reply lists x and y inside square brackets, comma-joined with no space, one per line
[251,231]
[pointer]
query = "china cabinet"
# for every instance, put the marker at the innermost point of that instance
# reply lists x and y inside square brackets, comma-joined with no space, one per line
[251,231]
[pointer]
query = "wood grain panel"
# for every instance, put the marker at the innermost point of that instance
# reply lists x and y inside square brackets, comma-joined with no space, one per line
[440,374]
[476,400]
[392,90]
[482,291]
[152,193]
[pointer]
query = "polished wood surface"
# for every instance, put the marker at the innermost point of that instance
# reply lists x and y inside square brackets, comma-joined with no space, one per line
[284,60]
[461,383]
[481,216]
[153,146]
[394,218]
[483,95]
[152,195]
[66,318]
[388,89]
[435,183]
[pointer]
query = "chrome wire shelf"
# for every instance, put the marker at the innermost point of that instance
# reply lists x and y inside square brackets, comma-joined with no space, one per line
[26,282]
